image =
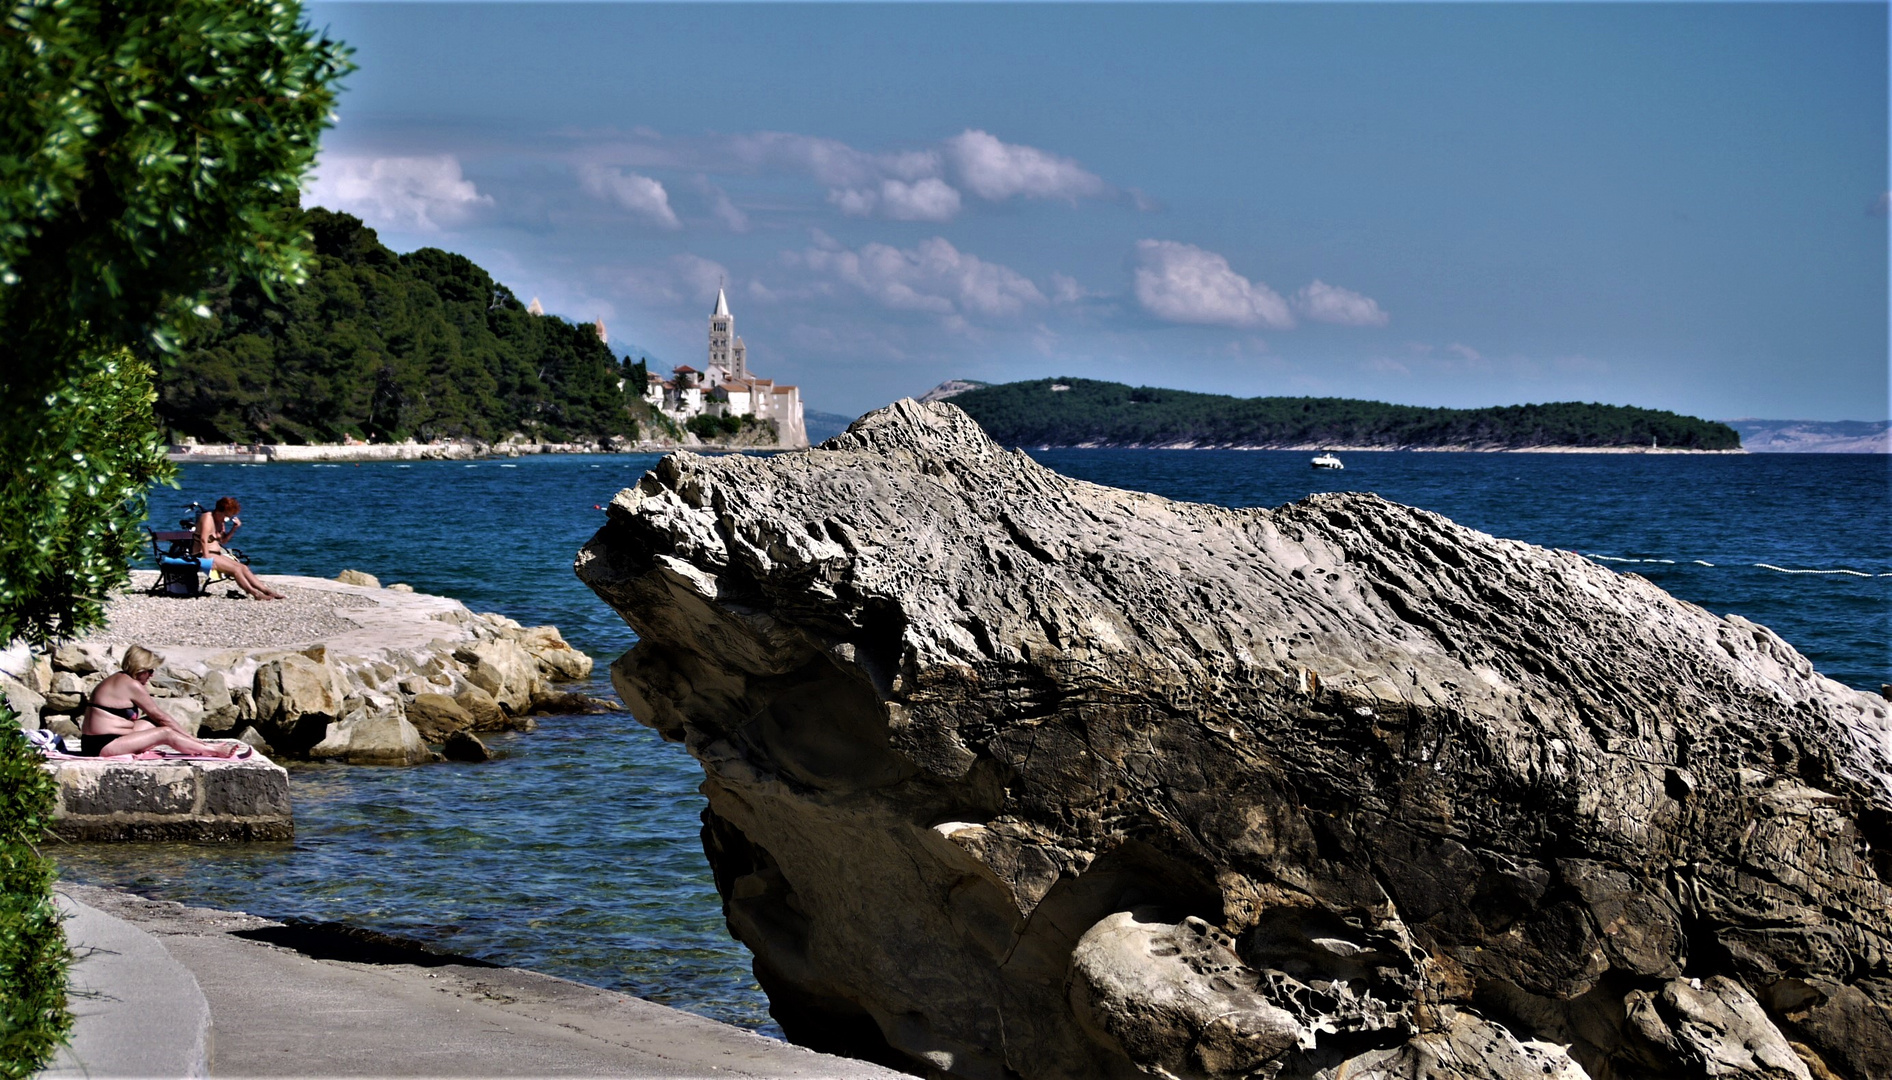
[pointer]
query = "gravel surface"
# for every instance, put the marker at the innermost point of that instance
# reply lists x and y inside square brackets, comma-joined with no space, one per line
[226,618]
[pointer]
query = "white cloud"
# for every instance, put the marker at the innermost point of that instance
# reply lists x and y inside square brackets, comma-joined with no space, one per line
[1882,205]
[996,170]
[1066,290]
[1465,351]
[1331,303]
[639,194]
[1184,283]
[424,193]
[831,161]
[725,211]
[684,280]
[923,200]
[933,277]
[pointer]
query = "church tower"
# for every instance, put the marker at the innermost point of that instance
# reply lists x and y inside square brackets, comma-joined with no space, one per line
[722,332]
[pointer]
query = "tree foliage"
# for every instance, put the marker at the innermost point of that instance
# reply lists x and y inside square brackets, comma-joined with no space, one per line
[149,145]
[74,496]
[33,955]
[383,347]
[1088,412]
[146,148]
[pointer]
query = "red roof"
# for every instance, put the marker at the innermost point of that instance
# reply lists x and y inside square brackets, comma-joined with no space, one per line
[683,368]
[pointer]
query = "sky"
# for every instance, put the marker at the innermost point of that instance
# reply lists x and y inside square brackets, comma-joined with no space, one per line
[1676,206]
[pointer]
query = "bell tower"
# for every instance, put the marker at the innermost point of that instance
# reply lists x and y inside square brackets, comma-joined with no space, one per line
[722,332]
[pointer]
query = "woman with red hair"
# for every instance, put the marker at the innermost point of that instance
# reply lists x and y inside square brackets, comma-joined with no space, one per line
[213,527]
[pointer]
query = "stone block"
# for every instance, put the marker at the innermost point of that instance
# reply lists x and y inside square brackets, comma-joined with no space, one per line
[83,658]
[25,703]
[437,716]
[486,713]
[358,577]
[557,659]
[465,746]
[503,669]
[65,692]
[171,800]
[380,739]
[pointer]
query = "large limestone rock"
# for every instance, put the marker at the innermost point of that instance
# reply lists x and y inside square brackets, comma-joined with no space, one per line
[1014,775]
[377,738]
[297,698]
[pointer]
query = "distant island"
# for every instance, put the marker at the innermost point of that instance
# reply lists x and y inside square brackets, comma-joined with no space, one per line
[1087,412]
[1814,436]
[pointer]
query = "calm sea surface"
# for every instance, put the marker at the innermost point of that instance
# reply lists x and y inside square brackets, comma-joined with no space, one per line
[576,852]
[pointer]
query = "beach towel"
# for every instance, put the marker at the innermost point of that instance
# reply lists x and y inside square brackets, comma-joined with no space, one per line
[53,746]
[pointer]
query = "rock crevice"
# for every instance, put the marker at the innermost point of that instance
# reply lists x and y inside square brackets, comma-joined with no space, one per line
[984,744]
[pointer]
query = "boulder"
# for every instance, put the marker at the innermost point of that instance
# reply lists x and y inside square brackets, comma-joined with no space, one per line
[558,661]
[358,577]
[1014,775]
[564,704]
[188,712]
[296,700]
[372,739]
[485,712]
[437,716]
[502,668]
[221,711]
[65,693]
[22,700]
[465,746]
[85,658]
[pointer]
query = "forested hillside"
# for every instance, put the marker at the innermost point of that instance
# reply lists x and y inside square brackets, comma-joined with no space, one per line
[1087,412]
[384,347]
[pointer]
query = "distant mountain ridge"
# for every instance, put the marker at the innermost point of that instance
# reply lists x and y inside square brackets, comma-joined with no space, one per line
[1814,436]
[1087,412]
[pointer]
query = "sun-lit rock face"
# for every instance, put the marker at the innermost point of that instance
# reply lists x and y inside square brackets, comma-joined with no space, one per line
[1014,775]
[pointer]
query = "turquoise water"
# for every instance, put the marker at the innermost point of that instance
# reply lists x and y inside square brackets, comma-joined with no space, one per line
[577,852]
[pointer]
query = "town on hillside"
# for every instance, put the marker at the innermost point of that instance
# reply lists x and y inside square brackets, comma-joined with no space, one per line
[726,388]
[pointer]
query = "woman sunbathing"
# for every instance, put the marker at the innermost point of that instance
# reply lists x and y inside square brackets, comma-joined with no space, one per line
[213,527]
[121,717]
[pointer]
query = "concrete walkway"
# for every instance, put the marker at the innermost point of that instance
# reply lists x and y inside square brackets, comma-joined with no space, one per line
[279,1000]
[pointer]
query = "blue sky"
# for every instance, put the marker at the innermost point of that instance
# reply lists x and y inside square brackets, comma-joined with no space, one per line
[1680,206]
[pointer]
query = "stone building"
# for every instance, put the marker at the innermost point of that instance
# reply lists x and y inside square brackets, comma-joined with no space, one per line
[727,387]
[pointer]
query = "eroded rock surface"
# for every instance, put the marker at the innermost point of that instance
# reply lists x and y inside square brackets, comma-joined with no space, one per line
[1014,775]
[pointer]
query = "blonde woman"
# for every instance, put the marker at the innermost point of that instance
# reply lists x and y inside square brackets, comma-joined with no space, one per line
[121,717]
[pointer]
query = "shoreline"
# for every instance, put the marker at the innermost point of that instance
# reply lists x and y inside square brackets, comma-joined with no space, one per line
[288,998]
[347,453]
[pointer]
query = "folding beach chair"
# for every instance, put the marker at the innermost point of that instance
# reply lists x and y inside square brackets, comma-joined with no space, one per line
[180,572]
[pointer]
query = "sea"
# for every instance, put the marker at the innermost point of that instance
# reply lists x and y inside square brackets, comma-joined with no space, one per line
[576,852]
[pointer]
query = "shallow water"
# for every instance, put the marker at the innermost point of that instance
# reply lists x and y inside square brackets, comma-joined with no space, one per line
[577,853]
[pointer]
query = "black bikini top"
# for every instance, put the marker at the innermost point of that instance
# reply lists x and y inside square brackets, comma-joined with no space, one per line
[129,712]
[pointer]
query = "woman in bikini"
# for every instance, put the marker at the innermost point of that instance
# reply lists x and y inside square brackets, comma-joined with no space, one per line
[213,526]
[121,717]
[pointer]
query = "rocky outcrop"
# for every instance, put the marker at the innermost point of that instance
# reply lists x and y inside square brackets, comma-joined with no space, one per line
[1014,775]
[365,686]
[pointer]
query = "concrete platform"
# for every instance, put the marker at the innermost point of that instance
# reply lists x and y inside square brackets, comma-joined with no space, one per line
[136,1010]
[201,801]
[288,1000]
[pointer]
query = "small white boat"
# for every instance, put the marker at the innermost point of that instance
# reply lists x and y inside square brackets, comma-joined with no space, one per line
[1327,461]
